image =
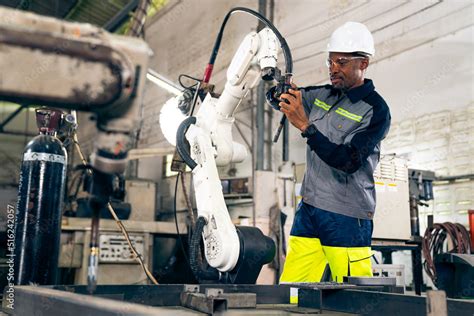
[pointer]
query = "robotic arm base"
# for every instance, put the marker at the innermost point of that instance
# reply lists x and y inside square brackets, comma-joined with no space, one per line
[256,250]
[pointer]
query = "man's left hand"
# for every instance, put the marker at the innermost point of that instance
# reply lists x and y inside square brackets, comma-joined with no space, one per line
[294,110]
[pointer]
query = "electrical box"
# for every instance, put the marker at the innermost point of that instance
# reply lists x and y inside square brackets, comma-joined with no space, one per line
[392,212]
[114,248]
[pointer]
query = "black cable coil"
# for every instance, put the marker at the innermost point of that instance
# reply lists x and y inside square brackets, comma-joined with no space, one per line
[195,251]
[181,144]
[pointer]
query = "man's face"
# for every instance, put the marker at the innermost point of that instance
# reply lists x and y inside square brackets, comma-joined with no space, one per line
[346,71]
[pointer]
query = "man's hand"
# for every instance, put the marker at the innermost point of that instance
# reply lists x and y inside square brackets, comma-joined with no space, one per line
[294,110]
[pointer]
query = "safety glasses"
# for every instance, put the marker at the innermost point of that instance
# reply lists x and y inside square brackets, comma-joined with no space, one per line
[341,61]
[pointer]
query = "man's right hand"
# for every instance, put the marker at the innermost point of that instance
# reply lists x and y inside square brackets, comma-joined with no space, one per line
[292,107]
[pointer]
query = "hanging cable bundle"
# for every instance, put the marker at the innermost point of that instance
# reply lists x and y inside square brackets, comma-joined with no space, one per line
[434,243]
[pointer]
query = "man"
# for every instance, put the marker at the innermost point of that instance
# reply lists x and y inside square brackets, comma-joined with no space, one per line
[343,124]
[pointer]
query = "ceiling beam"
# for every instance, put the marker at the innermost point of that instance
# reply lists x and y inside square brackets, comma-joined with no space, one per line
[114,23]
[12,116]
[18,133]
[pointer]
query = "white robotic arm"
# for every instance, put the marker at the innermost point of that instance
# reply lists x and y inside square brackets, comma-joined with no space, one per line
[258,51]
[212,145]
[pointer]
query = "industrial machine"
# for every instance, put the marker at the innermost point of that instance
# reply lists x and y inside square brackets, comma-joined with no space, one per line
[52,62]
[392,213]
[210,137]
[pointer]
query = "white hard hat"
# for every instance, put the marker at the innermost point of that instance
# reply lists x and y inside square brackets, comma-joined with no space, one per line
[350,38]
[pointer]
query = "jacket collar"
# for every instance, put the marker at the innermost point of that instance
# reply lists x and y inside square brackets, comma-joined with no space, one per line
[357,94]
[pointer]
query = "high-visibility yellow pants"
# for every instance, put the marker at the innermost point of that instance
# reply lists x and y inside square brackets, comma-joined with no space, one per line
[319,238]
[307,258]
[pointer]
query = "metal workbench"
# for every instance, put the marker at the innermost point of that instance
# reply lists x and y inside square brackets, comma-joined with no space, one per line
[325,298]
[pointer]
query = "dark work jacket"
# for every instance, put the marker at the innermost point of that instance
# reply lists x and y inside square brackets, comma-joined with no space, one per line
[345,149]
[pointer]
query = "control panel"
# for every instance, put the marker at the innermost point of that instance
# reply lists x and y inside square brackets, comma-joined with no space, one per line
[114,248]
